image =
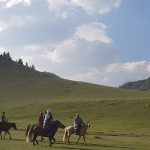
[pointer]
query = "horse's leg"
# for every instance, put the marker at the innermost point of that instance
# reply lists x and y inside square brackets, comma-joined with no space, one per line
[1,134]
[84,139]
[4,134]
[42,139]
[78,139]
[69,138]
[34,139]
[9,134]
[52,140]
[50,144]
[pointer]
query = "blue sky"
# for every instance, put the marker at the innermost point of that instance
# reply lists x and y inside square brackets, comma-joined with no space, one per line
[130,29]
[98,41]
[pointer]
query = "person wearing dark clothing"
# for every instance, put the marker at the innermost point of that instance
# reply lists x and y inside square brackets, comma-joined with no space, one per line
[78,123]
[3,118]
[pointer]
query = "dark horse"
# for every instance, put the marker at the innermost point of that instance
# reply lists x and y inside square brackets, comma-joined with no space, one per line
[4,126]
[49,132]
[28,135]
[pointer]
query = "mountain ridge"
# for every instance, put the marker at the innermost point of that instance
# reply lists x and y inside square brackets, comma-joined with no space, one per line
[143,85]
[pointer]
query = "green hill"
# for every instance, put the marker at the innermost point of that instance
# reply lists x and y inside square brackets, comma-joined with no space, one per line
[19,83]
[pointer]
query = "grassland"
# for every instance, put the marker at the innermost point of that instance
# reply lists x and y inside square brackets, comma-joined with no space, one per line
[115,124]
[120,119]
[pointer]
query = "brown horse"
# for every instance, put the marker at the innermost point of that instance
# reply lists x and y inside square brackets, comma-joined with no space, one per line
[27,133]
[71,130]
[4,126]
[49,132]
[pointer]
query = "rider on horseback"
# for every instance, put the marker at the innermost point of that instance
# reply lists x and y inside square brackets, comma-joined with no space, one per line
[3,118]
[41,119]
[48,118]
[78,123]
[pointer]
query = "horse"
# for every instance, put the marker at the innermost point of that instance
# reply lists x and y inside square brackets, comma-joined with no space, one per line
[71,130]
[28,136]
[4,126]
[49,132]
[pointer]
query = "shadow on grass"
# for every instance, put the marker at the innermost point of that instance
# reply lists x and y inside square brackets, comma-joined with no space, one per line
[111,146]
[80,146]
[88,146]
[18,140]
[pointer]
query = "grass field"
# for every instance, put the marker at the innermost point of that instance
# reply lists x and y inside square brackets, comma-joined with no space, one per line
[115,124]
[94,142]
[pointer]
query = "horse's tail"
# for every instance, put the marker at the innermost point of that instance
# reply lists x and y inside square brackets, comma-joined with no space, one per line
[65,134]
[28,127]
[29,133]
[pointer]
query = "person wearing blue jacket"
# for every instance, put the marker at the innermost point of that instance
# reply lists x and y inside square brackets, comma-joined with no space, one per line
[78,123]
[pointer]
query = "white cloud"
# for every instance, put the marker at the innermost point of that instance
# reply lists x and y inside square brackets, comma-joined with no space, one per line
[11,3]
[62,51]
[93,32]
[56,4]
[148,68]
[115,74]
[89,40]
[82,53]
[89,6]
[13,23]
[98,6]
[120,73]
[2,0]
[2,26]
[60,7]
[131,67]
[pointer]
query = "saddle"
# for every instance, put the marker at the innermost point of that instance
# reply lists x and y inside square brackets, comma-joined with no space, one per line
[46,129]
[77,131]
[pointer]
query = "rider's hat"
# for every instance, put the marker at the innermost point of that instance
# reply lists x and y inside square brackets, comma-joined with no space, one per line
[77,115]
[49,110]
[41,113]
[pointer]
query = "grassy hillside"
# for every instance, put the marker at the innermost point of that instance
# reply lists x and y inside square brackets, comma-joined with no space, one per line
[20,83]
[116,115]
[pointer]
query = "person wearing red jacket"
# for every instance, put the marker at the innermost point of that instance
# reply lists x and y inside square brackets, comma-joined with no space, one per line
[41,119]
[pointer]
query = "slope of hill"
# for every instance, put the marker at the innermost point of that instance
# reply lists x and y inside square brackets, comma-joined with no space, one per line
[19,83]
[137,85]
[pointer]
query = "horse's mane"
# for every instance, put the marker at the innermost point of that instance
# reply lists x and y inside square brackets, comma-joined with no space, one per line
[7,123]
[55,121]
[11,123]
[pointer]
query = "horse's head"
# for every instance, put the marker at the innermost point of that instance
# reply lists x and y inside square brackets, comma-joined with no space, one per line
[59,124]
[87,125]
[14,126]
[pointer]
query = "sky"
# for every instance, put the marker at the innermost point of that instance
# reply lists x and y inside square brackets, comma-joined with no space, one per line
[105,42]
